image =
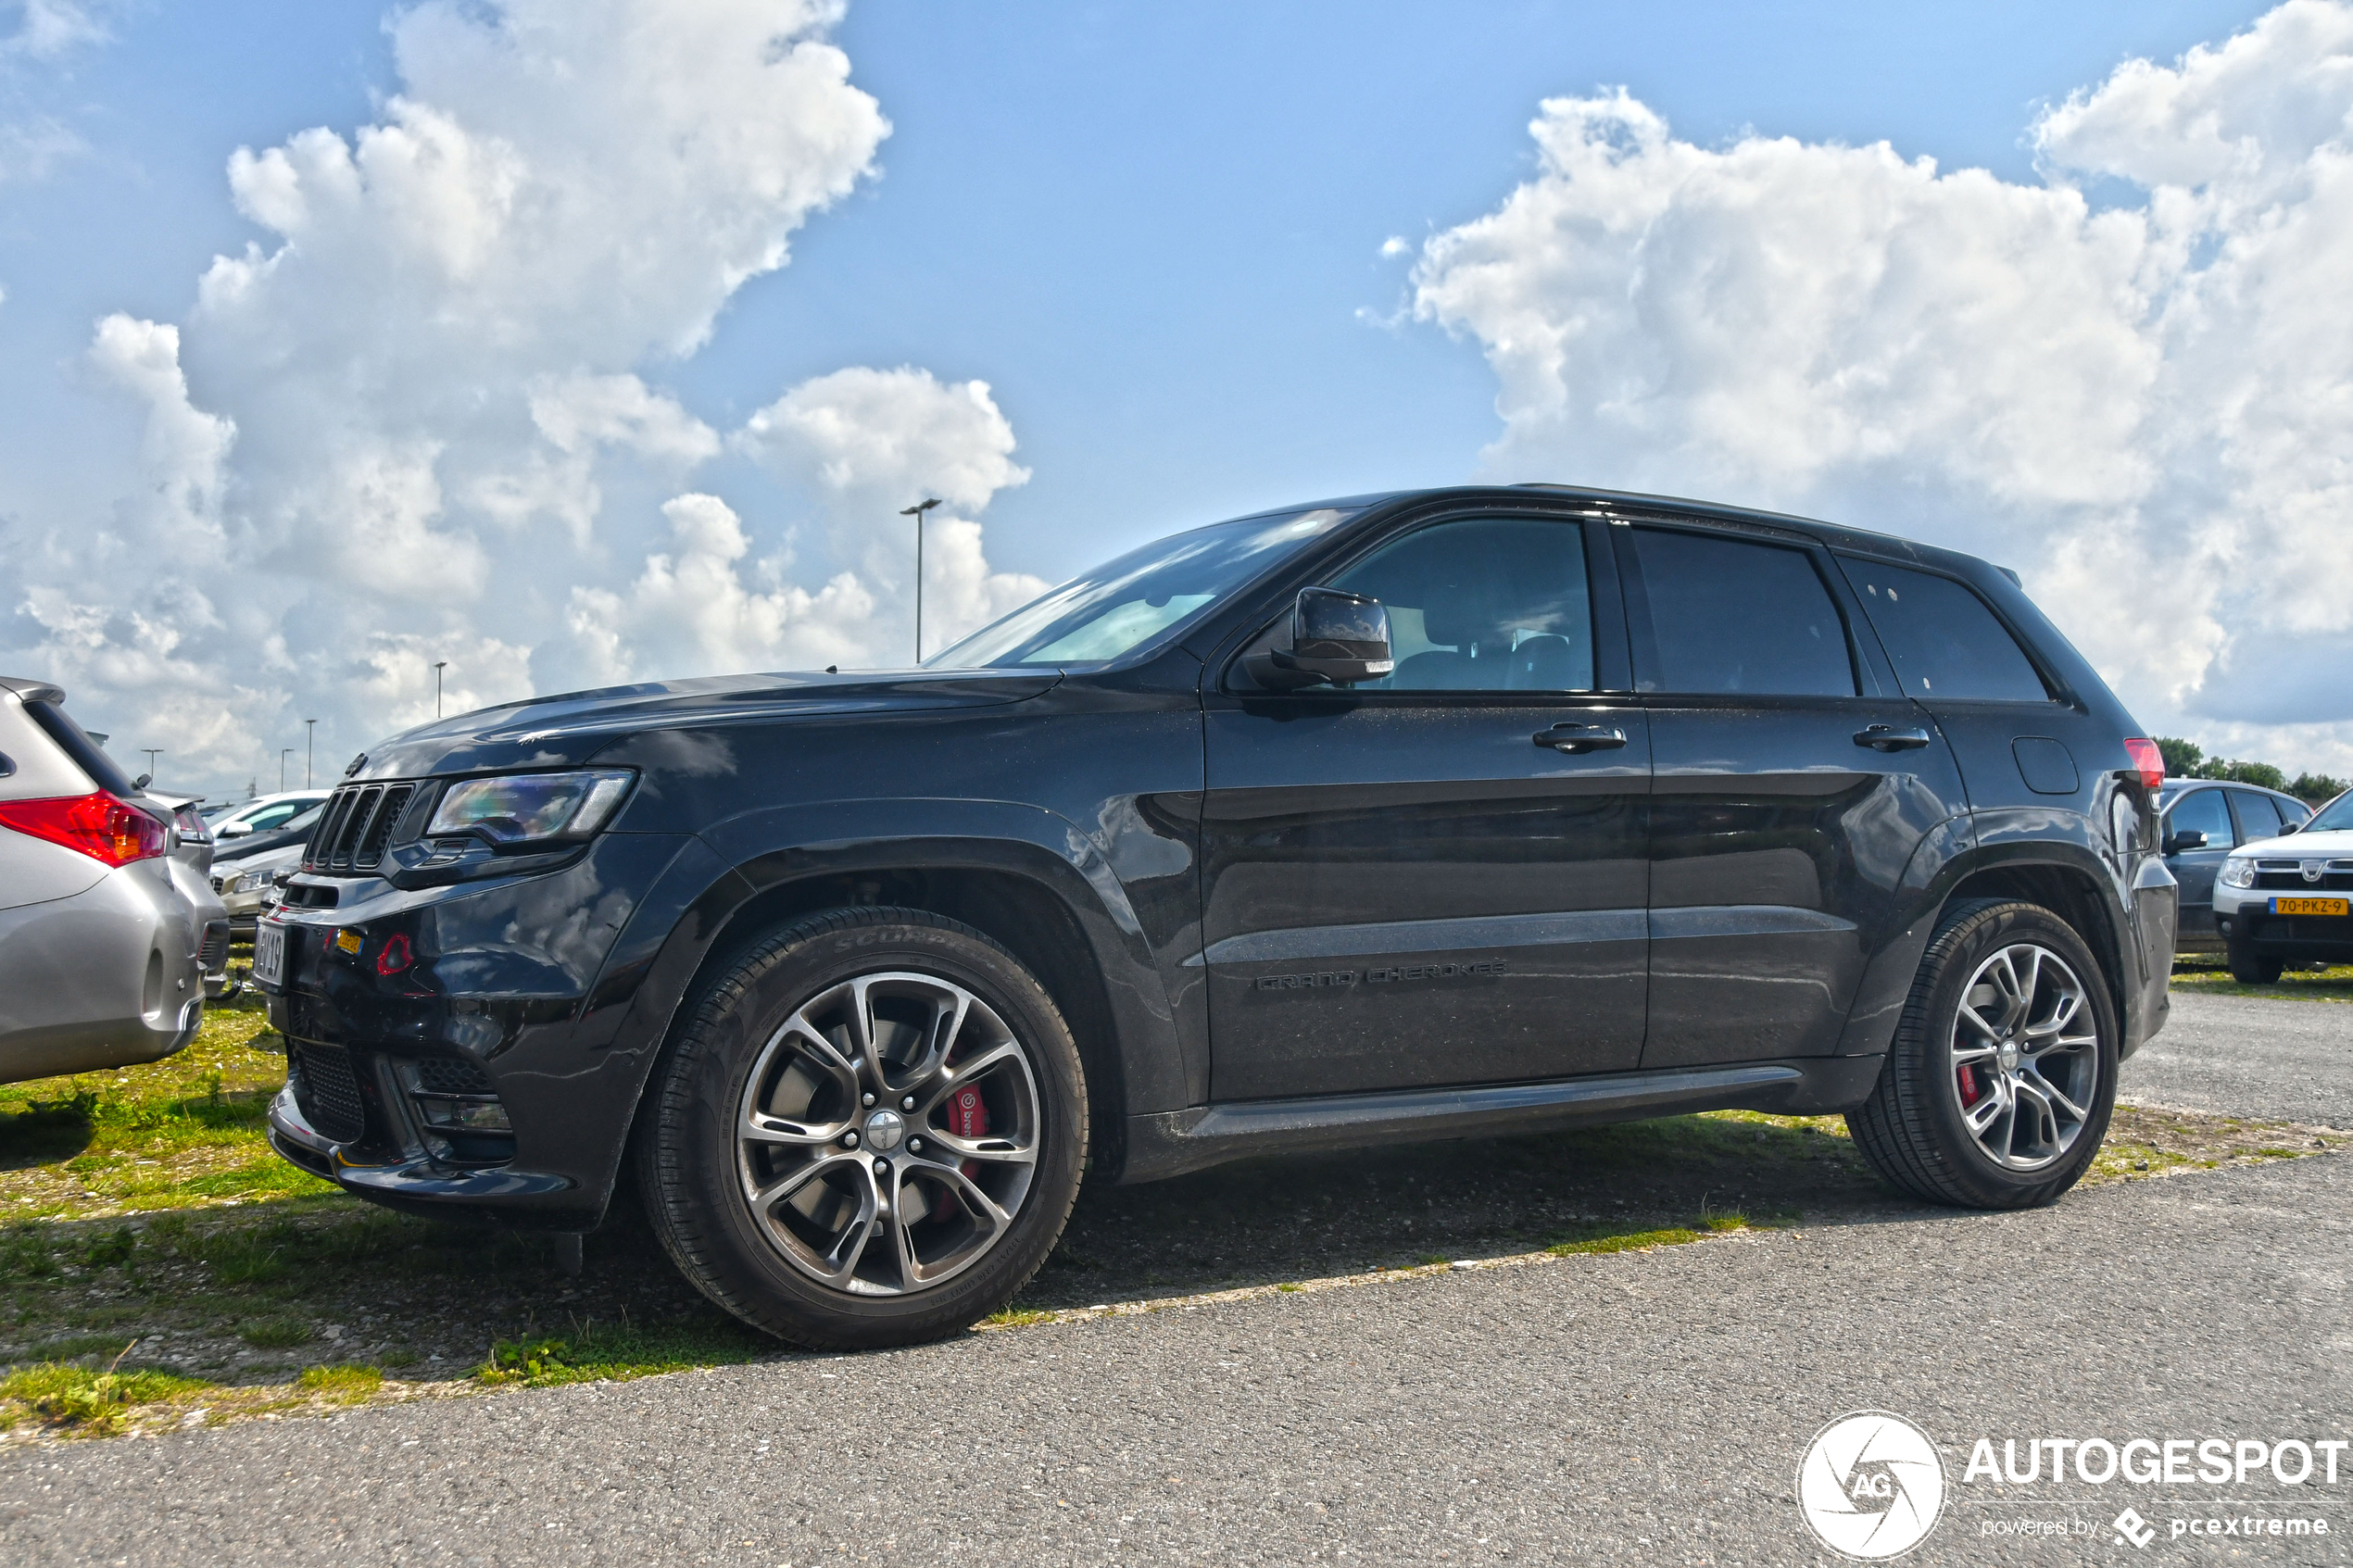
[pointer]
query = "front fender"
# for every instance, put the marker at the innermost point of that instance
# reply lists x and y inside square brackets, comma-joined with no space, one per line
[693,914]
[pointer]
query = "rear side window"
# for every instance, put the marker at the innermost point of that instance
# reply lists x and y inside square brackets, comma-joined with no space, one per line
[81,748]
[1946,644]
[1733,616]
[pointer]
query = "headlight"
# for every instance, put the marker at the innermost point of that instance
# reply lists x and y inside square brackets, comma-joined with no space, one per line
[249,881]
[527,807]
[2237,871]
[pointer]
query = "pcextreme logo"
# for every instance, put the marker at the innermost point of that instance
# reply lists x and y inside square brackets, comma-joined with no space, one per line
[1871,1486]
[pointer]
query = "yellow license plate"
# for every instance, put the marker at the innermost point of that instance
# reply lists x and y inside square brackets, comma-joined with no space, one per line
[2311,906]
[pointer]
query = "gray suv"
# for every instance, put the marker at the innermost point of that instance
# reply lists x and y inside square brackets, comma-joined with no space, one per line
[2203,820]
[103,952]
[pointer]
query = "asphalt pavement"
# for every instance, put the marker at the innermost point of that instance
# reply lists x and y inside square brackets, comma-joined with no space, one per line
[2249,1055]
[1639,1408]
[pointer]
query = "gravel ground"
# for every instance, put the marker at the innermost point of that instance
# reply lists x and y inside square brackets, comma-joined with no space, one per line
[1636,1408]
[1639,1408]
[2249,1055]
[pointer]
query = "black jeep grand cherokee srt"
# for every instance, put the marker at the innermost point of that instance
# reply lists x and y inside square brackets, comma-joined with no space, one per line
[1399,817]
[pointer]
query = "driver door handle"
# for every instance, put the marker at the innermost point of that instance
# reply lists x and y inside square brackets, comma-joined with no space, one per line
[1575,738]
[1886,737]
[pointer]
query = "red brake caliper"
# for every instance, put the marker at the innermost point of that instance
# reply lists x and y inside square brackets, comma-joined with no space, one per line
[967,1119]
[1970,1093]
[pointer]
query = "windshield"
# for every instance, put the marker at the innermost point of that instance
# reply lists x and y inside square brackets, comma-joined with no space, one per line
[2337,815]
[1144,596]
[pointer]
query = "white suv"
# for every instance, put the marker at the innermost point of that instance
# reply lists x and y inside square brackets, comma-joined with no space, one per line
[2287,900]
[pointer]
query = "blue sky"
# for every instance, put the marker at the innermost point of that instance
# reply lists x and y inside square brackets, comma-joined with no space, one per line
[1155,232]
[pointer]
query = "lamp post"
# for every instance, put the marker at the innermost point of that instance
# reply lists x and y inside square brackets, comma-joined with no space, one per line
[283,752]
[310,749]
[436,688]
[917,511]
[152,753]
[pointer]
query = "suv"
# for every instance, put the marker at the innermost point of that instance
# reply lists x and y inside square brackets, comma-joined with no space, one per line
[1395,817]
[2287,900]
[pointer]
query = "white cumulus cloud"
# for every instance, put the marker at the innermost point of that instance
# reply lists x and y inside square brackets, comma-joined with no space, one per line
[421,418]
[2145,403]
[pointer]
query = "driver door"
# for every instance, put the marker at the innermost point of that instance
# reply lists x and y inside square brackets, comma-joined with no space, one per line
[1405,884]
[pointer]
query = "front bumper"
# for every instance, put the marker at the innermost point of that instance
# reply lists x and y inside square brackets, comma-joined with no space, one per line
[476,992]
[2244,918]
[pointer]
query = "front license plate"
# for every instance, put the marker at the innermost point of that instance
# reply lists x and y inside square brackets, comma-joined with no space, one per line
[269,953]
[2311,906]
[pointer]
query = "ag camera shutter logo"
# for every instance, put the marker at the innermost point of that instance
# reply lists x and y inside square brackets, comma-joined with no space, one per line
[1871,1486]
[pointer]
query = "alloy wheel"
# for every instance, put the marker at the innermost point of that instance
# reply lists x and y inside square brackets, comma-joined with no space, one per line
[887,1134]
[2025,1056]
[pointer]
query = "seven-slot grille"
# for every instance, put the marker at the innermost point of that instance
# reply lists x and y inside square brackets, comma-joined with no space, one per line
[358,825]
[2287,876]
[327,1091]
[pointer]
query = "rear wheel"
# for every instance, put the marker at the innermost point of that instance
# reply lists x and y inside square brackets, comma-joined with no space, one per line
[870,1132]
[2002,1076]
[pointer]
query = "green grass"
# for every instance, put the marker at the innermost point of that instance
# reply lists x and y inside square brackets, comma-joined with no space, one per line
[92,1404]
[1604,1241]
[590,1353]
[2207,977]
[342,1385]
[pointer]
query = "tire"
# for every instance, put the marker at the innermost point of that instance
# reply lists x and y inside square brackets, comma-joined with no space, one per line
[2251,968]
[1936,1123]
[758,1164]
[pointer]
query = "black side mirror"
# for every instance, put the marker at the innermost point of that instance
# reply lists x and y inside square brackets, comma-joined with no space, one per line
[1337,639]
[2286,828]
[2193,839]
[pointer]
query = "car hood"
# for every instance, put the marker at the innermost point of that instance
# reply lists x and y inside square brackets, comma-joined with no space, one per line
[2335,844]
[571,729]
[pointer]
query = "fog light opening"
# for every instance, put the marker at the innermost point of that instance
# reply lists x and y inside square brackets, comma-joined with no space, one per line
[394,957]
[464,1113]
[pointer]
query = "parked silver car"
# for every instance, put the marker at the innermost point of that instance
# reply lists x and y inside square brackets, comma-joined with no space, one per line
[105,939]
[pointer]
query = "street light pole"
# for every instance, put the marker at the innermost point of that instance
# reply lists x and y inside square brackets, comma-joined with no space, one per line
[152,752]
[310,749]
[283,752]
[917,511]
[436,688]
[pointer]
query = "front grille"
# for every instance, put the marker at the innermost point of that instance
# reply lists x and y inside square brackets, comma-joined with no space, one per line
[327,1091]
[356,827]
[450,1075]
[2287,876]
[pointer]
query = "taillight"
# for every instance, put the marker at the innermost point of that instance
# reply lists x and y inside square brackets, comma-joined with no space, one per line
[192,826]
[2147,761]
[97,825]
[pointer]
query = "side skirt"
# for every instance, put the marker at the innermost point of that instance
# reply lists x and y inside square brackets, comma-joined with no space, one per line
[1173,1143]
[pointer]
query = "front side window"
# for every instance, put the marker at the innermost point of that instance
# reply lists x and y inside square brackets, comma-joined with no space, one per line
[2258,814]
[2202,811]
[1144,596]
[1482,605]
[1738,617]
[1946,645]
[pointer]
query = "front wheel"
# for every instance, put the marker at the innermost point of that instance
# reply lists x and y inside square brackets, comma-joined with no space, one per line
[2251,968]
[2001,1078]
[870,1132]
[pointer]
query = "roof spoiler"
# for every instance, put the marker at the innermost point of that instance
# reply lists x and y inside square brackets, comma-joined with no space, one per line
[32,691]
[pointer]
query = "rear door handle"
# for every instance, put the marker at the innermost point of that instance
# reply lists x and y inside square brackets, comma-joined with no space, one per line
[1886,737]
[1581,738]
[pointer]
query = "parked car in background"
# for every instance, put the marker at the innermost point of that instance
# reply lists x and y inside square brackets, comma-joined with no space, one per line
[2289,900]
[102,950]
[191,870]
[265,813]
[1377,820]
[2202,821]
[242,868]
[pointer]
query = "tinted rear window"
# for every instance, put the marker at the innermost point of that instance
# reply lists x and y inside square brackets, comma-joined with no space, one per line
[81,748]
[1947,646]
[1735,616]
